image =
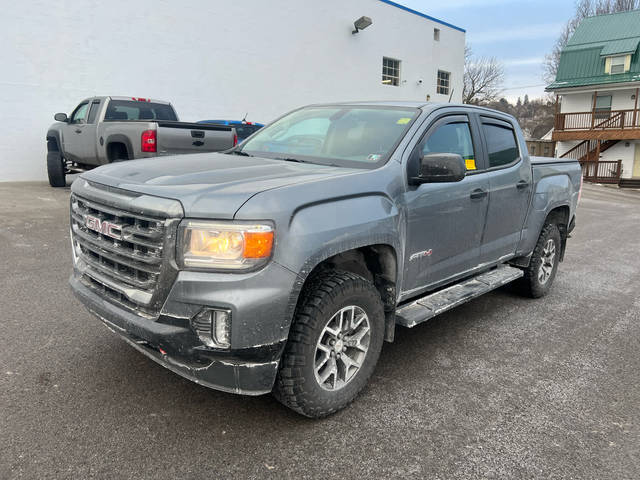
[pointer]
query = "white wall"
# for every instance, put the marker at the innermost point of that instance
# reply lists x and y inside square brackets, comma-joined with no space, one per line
[211,59]
[620,151]
[583,101]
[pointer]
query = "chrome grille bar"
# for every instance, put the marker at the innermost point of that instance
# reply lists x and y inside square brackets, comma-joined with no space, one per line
[124,264]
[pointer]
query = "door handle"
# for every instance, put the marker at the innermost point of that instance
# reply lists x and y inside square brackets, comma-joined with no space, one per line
[522,185]
[78,130]
[478,193]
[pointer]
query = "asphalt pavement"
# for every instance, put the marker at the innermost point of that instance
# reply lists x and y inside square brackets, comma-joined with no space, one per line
[501,387]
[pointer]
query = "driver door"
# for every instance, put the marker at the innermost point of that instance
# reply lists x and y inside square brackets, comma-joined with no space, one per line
[445,221]
[75,134]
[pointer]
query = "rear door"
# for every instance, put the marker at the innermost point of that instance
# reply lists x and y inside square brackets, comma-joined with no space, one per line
[510,187]
[445,220]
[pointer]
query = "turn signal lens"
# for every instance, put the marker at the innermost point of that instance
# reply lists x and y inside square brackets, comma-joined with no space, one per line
[258,244]
[225,245]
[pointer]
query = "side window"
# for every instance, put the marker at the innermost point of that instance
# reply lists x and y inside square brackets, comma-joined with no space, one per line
[93,112]
[452,138]
[80,113]
[501,143]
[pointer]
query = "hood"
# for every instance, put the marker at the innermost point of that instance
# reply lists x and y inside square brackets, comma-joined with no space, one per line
[209,185]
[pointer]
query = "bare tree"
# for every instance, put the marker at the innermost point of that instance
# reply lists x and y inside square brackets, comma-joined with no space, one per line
[483,78]
[584,9]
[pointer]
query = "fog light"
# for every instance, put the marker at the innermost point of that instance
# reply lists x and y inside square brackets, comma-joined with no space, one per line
[213,327]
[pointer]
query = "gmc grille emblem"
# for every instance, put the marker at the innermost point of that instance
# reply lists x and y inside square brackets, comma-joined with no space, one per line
[103,226]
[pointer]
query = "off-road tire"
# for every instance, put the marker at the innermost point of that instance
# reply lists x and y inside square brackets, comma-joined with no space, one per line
[530,284]
[55,169]
[329,291]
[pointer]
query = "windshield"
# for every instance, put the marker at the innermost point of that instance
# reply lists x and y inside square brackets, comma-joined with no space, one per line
[347,136]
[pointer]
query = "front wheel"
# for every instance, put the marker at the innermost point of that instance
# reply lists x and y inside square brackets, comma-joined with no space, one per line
[55,169]
[539,275]
[334,344]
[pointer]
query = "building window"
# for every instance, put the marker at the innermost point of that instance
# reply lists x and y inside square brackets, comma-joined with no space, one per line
[603,107]
[443,82]
[390,71]
[618,64]
[436,34]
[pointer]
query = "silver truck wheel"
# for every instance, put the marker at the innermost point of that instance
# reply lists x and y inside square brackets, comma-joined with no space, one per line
[334,344]
[539,275]
[342,347]
[548,260]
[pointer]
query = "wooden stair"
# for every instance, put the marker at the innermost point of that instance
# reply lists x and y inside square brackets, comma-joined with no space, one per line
[629,183]
[587,150]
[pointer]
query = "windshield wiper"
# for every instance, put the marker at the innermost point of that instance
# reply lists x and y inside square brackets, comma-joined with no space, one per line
[290,159]
[240,152]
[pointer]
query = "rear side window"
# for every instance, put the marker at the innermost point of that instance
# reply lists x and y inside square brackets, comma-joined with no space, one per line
[245,131]
[452,138]
[93,111]
[119,110]
[501,143]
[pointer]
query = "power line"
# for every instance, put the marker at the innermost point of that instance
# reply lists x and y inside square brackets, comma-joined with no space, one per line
[526,86]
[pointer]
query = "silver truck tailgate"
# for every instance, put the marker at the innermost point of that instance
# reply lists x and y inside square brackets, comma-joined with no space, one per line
[182,137]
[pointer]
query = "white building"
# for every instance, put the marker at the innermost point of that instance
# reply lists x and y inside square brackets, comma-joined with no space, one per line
[211,59]
[598,84]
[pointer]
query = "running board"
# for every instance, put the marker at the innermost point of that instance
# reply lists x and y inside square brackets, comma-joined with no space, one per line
[434,304]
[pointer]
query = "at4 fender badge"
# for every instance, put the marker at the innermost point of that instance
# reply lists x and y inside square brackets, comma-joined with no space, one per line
[422,254]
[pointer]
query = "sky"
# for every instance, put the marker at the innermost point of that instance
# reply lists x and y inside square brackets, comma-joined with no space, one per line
[517,33]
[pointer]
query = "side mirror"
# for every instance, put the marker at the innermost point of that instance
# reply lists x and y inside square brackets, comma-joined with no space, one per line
[60,117]
[441,167]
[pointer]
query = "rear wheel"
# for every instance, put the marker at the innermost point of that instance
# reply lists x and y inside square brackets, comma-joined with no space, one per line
[55,169]
[334,344]
[117,152]
[539,275]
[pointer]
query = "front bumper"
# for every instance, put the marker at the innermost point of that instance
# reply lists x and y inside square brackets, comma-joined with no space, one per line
[169,340]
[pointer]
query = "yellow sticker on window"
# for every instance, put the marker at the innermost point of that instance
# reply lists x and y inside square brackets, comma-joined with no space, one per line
[403,121]
[470,163]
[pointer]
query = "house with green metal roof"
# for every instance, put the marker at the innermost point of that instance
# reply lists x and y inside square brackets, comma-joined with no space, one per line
[597,87]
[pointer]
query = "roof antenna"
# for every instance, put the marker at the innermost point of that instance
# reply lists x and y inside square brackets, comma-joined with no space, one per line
[244,119]
[452,90]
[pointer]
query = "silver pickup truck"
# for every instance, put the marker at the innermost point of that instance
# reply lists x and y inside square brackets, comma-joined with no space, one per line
[103,130]
[284,263]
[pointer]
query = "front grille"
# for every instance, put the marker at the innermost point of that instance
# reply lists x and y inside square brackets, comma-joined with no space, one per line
[127,269]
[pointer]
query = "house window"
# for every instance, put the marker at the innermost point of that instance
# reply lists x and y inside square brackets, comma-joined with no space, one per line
[603,106]
[618,64]
[443,82]
[390,71]
[436,34]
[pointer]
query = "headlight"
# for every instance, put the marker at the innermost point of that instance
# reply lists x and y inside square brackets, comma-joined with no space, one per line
[221,245]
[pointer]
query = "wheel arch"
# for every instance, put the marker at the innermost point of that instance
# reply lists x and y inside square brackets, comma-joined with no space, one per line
[54,142]
[118,139]
[376,262]
[560,215]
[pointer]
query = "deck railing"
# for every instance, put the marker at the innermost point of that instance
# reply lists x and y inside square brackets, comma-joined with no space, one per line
[598,120]
[602,172]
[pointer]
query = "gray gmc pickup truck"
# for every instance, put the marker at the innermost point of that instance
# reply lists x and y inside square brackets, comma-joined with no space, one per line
[283,264]
[103,130]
